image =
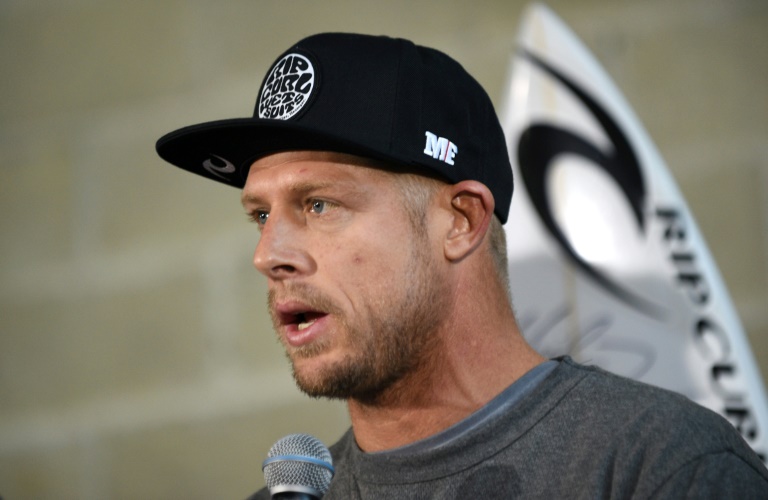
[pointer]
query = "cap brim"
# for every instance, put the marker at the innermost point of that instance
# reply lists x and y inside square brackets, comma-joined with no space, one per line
[211,149]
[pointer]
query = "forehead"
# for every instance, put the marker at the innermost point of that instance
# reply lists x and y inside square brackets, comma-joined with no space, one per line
[318,167]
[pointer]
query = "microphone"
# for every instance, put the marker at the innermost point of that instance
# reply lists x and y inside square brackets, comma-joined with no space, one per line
[298,467]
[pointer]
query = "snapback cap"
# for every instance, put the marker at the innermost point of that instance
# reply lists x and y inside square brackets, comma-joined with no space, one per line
[373,96]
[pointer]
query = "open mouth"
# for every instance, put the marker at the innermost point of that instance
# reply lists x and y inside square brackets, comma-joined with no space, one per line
[305,320]
[301,320]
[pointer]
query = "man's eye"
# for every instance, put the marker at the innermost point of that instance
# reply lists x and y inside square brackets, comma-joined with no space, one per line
[319,206]
[261,218]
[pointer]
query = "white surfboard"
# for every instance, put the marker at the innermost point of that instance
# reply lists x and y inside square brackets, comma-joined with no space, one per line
[606,262]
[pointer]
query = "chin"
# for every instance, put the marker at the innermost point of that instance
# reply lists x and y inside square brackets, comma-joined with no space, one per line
[324,377]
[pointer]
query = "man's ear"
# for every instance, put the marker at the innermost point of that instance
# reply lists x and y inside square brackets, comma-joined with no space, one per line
[472,207]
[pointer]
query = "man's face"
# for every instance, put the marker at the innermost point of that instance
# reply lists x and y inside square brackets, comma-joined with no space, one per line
[354,293]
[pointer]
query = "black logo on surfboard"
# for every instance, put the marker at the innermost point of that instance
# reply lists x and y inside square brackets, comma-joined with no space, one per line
[540,144]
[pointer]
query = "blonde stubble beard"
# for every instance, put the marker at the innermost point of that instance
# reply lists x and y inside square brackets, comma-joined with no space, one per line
[398,339]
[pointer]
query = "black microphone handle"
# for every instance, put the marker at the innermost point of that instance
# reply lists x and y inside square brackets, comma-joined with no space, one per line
[292,495]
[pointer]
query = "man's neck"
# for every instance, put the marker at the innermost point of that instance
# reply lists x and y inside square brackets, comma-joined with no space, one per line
[468,369]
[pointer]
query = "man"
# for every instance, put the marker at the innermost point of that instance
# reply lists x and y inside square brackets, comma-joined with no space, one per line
[378,175]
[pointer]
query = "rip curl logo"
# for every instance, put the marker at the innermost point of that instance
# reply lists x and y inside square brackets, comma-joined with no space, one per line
[540,144]
[440,148]
[219,171]
[287,87]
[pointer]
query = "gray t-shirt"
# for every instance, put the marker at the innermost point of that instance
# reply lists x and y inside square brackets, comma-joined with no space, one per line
[563,431]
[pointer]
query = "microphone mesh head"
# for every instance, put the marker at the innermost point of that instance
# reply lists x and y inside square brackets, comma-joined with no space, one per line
[292,471]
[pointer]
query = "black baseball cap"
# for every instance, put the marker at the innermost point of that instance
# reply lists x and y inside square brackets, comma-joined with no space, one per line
[373,96]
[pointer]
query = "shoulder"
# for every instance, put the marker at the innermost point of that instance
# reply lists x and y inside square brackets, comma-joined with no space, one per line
[721,474]
[634,407]
[614,394]
[658,434]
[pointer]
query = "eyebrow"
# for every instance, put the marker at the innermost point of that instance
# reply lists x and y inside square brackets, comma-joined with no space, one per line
[301,188]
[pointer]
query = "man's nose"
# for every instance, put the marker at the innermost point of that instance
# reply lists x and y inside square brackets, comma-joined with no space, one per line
[282,251]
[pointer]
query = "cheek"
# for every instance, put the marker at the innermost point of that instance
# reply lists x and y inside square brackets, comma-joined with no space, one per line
[369,269]
[370,258]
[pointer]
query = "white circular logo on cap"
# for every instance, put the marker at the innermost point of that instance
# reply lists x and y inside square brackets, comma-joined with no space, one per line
[287,87]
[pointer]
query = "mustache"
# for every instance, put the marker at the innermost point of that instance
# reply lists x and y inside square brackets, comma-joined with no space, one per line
[308,295]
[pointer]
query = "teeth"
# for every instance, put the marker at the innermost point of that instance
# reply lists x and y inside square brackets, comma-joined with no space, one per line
[304,325]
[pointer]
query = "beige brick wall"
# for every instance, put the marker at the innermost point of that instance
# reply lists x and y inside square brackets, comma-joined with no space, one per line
[136,357]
